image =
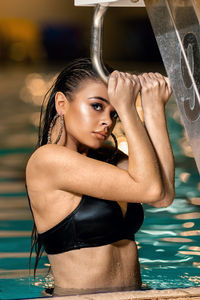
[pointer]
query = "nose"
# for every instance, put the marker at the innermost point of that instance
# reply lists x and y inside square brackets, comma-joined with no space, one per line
[106,120]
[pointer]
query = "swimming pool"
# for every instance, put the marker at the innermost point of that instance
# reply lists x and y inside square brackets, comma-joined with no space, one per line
[169,240]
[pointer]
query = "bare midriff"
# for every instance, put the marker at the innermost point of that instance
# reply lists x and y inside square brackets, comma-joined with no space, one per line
[109,267]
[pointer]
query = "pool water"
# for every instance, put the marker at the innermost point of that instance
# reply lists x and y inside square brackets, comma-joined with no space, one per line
[169,240]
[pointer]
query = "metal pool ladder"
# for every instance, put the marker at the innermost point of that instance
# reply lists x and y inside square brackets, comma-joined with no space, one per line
[177,30]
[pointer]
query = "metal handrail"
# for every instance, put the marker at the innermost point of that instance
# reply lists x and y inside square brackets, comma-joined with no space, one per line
[97,41]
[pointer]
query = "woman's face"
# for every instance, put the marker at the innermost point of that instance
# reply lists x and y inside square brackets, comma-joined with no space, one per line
[89,117]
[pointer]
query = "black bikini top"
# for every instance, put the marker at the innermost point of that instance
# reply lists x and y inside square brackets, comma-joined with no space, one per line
[95,222]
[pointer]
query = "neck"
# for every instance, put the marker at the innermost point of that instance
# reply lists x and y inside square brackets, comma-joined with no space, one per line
[83,149]
[74,145]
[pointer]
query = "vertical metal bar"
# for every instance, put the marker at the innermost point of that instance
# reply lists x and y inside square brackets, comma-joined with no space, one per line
[97,42]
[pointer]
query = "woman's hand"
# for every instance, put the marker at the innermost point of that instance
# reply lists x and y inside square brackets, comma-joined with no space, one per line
[123,89]
[155,90]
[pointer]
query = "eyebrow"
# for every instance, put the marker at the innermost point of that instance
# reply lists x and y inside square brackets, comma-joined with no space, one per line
[100,98]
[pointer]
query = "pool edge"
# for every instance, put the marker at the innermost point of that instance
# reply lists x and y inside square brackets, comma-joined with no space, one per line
[184,293]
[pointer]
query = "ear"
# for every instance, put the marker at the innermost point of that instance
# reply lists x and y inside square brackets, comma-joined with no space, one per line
[61,103]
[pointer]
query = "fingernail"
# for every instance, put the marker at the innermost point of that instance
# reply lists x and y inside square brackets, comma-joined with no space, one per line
[113,76]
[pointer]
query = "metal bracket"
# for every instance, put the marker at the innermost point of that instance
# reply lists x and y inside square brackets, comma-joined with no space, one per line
[120,3]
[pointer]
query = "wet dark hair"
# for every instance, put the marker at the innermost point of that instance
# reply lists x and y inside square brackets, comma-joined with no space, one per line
[67,82]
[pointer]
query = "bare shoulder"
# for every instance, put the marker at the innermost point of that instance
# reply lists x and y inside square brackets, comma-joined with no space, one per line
[47,156]
[41,155]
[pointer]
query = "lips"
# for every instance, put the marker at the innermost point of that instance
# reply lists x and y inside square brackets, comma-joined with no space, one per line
[100,135]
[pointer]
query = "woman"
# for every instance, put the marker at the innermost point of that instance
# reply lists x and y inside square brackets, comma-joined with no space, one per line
[85,197]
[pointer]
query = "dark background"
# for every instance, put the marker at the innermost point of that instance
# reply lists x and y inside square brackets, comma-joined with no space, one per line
[55,30]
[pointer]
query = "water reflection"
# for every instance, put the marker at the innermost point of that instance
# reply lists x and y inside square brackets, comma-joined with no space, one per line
[194,201]
[186,148]
[194,248]
[190,233]
[177,240]
[195,279]
[196,264]
[189,252]
[188,216]
[188,225]
[184,176]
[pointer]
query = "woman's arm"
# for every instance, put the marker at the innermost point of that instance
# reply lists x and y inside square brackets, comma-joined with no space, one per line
[142,161]
[155,93]
[54,167]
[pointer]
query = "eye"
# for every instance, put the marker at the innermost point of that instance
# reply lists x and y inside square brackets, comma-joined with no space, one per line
[114,115]
[97,106]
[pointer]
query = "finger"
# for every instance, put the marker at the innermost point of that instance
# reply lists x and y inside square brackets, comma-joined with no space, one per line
[122,74]
[122,78]
[159,75]
[114,74]
[136,79]
[161,79]
[167,81]
[128,76]
[148,79]
[142,80]
[152,75]
[164,80]
[168,84]
[112,80]
[146,76]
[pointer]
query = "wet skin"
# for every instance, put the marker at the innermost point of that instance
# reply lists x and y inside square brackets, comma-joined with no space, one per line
[89,119]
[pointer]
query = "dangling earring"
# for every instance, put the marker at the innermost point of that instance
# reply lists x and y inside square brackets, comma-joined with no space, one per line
[53,122]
